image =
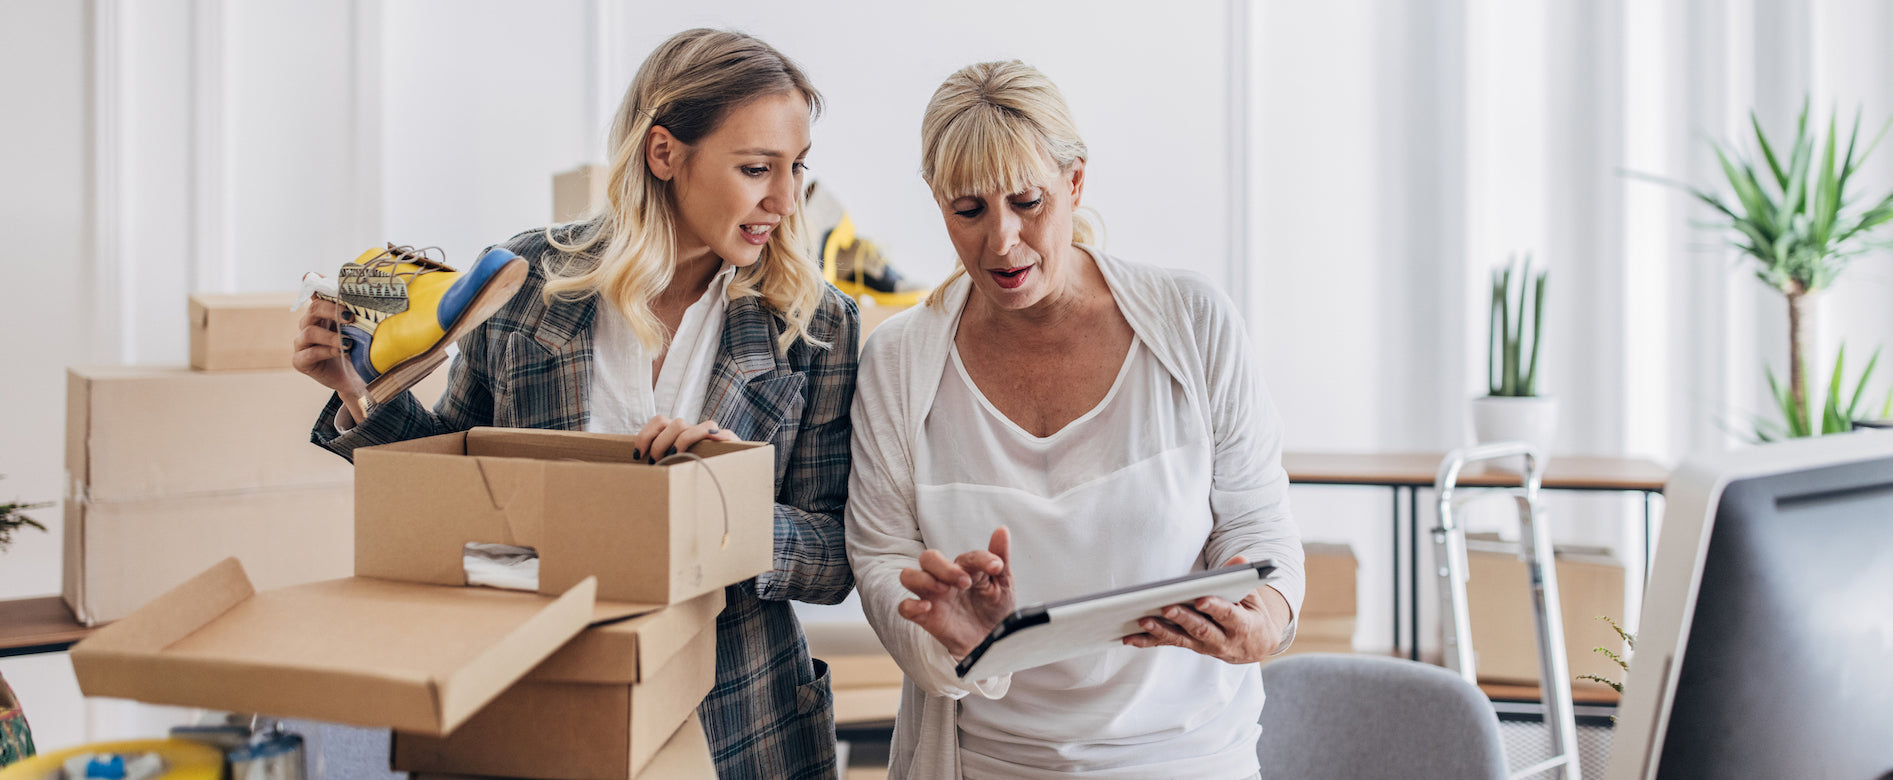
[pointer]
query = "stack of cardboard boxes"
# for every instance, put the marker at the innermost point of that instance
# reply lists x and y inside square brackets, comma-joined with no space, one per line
[171,469]
[597,674]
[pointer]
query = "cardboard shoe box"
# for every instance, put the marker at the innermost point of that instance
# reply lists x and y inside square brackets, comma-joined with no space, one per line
[599,709]
[650,534]
[242,331]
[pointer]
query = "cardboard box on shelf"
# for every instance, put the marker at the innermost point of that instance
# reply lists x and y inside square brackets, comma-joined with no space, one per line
[135,432]
[873,314]
[242,331]
[1331,572]
[685,756]
[1504,638]
[363,651]
[576,191]
[121,554]
[694,526]
[593,729]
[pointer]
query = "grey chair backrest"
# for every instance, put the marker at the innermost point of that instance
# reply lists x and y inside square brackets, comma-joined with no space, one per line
[1361,717]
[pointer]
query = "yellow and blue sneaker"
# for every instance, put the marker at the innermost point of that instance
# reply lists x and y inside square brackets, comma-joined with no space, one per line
[401,309]
[853,264]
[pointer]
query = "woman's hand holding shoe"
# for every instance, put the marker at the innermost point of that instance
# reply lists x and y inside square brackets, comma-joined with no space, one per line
[1242,632]
[960,600]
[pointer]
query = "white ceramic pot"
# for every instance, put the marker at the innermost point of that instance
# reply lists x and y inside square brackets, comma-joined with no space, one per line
[1533,420]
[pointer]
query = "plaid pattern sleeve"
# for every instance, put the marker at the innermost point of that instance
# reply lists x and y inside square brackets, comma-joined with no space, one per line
[811,558]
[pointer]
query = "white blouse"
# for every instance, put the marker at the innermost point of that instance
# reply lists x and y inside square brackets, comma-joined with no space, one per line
[1116,497]
[1185,325]
[622,397]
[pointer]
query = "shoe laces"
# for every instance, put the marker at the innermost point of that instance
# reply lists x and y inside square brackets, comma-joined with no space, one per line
[421,261]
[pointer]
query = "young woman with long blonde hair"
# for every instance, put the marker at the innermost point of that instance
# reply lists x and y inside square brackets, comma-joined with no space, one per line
[684,309]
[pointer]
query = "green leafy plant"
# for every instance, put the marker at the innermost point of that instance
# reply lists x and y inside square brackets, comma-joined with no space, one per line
[1512,370]
[1797,223]
[11,520]
[1630,643]
[1797,420]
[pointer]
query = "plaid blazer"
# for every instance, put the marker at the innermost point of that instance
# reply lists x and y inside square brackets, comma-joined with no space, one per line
[771,713]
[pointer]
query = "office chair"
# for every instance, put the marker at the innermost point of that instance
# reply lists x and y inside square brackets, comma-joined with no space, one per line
[1357,717]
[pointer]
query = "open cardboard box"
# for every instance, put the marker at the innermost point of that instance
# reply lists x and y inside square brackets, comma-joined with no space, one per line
[404,644]
[650,534]
[600,709]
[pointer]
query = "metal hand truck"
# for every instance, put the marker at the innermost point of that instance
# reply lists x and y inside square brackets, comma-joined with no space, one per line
[1449,547]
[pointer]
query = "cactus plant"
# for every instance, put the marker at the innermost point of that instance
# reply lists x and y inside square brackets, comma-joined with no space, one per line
[1511,368]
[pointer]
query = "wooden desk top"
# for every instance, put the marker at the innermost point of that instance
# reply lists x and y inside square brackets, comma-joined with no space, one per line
[37,622]
[1564,472]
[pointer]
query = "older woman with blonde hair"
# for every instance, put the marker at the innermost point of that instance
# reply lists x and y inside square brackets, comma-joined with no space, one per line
[682,309]
[1055,422]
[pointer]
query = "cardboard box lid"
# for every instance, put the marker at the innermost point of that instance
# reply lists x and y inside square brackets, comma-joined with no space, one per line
[629,651]
[528,480]
[362,651]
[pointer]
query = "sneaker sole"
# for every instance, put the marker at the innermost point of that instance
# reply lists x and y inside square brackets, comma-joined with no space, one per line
[408,373]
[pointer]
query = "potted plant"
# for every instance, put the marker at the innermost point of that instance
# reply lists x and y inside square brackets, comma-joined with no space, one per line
[1799,225]
[16,739]
[1512,409]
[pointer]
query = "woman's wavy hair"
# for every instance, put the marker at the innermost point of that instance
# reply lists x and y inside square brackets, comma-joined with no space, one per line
[988,129]
[624,249]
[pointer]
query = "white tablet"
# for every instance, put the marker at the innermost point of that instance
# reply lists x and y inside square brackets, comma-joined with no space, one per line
[1047,633]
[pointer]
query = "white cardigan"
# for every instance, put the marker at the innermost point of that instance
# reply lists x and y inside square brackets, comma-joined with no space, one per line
[1192,329]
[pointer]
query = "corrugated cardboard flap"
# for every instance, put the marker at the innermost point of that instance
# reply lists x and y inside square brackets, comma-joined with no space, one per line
[628,651]
[369,652]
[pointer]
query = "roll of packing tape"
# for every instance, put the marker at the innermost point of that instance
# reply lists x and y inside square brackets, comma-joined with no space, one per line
[176,760]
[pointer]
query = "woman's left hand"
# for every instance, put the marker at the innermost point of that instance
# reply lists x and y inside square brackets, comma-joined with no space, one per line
[663,437]
[1243,632]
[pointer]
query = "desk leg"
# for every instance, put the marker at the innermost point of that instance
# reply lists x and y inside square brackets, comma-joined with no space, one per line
[1393,542]
[1413,571]
[1649,549]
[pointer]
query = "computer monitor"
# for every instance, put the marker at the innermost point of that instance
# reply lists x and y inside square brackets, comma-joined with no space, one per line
[1766,644]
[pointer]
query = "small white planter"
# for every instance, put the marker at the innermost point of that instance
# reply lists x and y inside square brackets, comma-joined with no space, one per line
[1532,420]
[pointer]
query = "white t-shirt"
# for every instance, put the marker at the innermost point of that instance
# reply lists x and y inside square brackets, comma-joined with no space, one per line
[1117,497]
[622,396]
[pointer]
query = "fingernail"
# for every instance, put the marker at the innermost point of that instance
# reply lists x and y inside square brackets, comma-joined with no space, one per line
[1172,613]
[670,452]
[637,454]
